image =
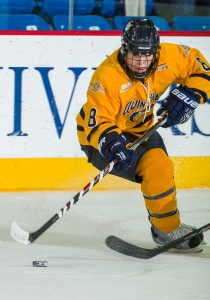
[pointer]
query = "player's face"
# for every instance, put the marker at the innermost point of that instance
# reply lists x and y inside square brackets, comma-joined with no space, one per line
[138,62]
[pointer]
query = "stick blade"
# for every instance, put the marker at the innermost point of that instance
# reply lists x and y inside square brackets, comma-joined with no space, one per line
[123,247]
[19,234]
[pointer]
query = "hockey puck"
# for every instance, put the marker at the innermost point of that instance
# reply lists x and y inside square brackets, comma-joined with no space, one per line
[40,263]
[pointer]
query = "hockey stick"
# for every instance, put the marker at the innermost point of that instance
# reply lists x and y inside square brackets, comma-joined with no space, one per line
[28,238]
[123,247]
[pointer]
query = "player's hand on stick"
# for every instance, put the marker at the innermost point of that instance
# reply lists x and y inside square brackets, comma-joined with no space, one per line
[113,146]
[180,106]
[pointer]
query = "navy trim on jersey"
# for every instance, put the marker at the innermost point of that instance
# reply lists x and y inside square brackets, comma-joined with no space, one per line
[80,128]
[96,128]
[148,118]
[202,93]
[82,113]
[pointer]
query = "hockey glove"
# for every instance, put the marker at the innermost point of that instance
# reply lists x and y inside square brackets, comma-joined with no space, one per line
[180,106]
[113,146]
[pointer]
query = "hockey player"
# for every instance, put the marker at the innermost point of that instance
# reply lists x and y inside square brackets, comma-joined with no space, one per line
[120,108]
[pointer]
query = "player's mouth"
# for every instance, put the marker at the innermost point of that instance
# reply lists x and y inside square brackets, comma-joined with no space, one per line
[140,70]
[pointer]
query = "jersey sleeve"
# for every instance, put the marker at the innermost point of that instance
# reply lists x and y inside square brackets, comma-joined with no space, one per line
[194,71]
[102,107]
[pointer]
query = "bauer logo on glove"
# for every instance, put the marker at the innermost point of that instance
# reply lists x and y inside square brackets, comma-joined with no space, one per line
[180,106]
[185,98]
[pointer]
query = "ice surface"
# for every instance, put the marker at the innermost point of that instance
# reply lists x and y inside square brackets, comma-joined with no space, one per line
[80,266]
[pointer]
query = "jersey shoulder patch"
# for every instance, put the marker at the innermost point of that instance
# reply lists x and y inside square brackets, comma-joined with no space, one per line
[96,87]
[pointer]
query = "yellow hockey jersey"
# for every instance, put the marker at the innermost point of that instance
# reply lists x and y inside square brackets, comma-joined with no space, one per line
[115,103]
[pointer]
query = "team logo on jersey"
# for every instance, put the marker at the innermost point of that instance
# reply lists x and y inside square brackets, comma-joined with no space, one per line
[134,104]
[140,104]
[96,87]
[186,49]
[162,67]
[126,87]
[137,115]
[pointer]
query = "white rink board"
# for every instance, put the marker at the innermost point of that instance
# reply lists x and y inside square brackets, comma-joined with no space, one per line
[30,128]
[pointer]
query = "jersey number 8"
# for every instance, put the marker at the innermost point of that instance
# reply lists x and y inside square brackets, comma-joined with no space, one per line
[92,119]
